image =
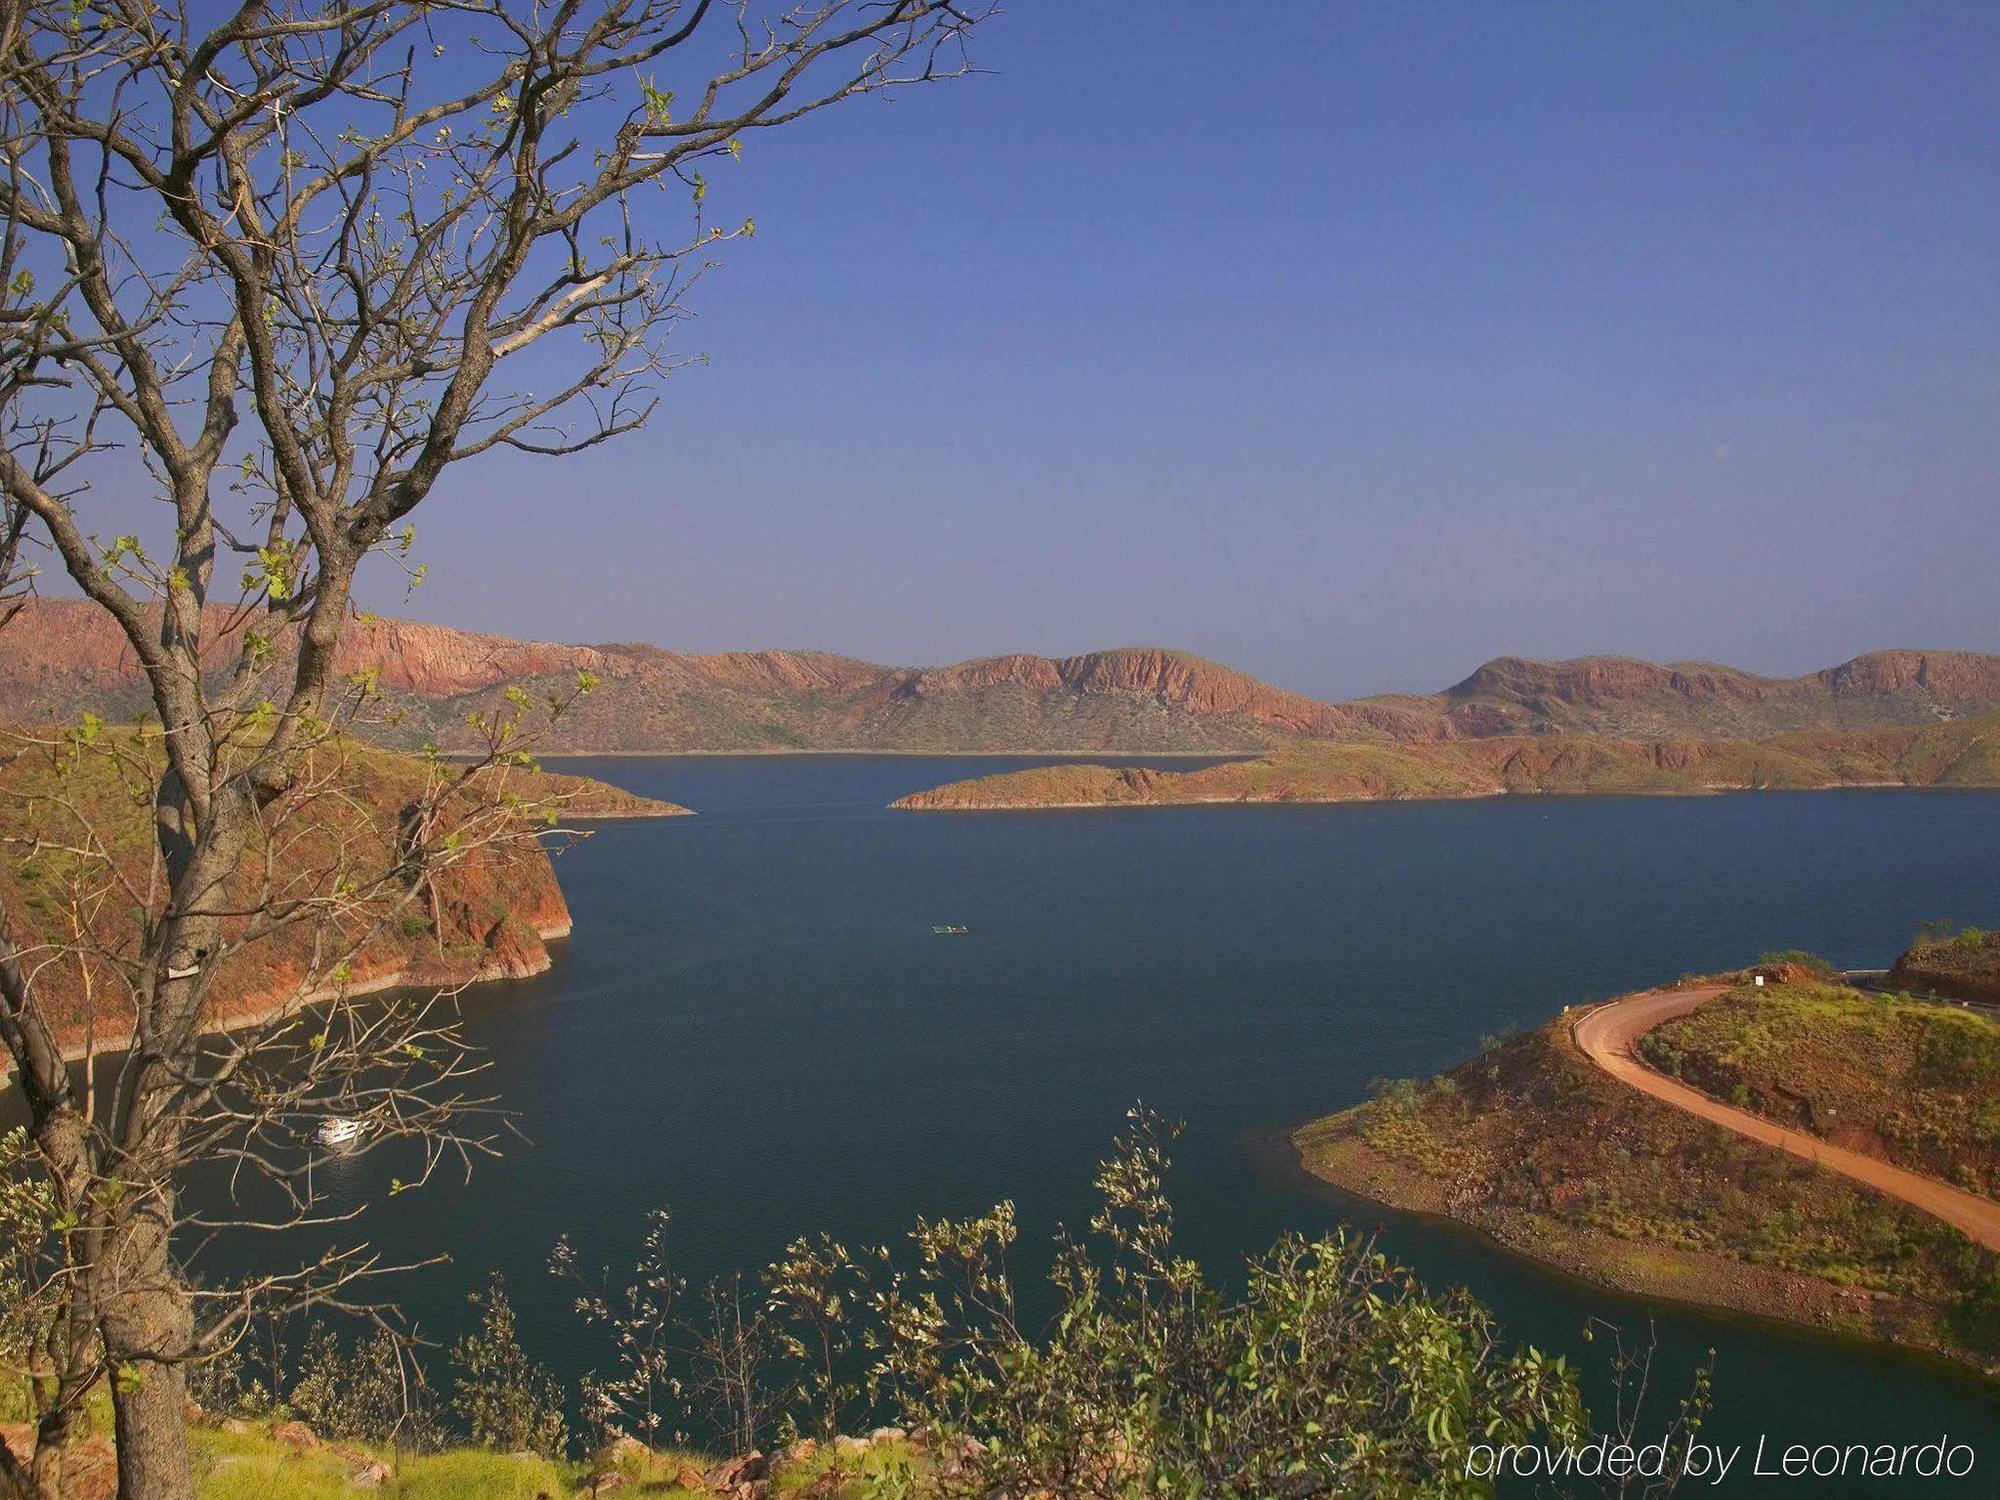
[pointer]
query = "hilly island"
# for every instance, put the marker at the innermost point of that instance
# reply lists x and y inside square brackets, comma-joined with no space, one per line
[1962,753]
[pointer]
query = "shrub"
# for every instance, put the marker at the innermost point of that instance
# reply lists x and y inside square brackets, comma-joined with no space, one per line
[1398,1093]
[506,1400]
[375,1392]
[642,1395]
[1797,958]
[1333,1372]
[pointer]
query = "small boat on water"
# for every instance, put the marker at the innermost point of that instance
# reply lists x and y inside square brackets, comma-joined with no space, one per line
[944,931]
[338,1130]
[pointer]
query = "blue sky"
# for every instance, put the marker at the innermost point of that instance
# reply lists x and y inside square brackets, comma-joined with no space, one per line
[1350,345]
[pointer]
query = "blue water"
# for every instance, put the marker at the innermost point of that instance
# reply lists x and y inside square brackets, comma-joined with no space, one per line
[755,1025]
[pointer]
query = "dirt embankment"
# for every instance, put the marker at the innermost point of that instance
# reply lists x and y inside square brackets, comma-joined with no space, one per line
[1964,965]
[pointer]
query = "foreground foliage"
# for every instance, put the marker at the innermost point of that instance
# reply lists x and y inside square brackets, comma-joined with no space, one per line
[1326,1369]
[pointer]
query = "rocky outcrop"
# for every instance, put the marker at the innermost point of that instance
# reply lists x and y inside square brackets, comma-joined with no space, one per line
[1946,678]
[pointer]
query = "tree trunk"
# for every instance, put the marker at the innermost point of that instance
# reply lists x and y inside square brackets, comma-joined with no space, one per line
[147,1320]
[149,1401]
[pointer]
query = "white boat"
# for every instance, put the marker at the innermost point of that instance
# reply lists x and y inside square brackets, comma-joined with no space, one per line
[944,930]
[338,1130]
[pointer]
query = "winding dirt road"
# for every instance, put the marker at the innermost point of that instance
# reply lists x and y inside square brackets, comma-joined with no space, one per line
[1607,1033]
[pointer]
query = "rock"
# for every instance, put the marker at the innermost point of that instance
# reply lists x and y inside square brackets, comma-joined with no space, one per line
[235,1426]
[691,1479]
[959,1455]
[91,1470]
[738,1471]
[605,1483]
[623,1449]
[802,1451]
[296,1436]
[887,1435]
[369,1476]
[850,1447]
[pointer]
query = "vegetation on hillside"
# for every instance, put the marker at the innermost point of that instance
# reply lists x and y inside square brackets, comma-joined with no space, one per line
[1534,1144]
[1962,753]
[1914,1083]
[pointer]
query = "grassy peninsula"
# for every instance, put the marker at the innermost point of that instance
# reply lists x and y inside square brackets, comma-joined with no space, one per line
[1536,1146]
[1963,753]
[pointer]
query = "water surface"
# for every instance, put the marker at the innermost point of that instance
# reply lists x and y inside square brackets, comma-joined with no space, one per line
[755,1025]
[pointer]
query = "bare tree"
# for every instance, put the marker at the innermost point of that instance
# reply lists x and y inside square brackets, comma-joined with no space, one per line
[278,275]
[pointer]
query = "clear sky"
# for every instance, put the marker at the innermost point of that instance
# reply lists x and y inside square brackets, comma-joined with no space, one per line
[1351,345]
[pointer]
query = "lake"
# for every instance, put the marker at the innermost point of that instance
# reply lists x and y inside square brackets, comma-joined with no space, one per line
[755,1025]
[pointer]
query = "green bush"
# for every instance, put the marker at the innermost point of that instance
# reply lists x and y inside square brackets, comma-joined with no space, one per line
[1797,958]
[375,1392]
[1332,1372]
[504,1399]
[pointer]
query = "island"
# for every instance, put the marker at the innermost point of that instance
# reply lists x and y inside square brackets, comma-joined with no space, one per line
[1960,752]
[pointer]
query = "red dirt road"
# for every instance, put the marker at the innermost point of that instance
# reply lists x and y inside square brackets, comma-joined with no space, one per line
[1606,1035]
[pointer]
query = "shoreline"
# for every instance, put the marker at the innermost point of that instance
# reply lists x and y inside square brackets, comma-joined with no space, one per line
[1284,1157]
[246,1011]
[1094,757]
[1650,1270]
[257,1012]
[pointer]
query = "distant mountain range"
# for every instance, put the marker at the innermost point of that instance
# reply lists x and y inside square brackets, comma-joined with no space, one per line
[60,658]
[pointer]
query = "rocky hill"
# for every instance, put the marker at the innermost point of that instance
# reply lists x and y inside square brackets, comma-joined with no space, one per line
[1964,752]
[61,657]
[489,915]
